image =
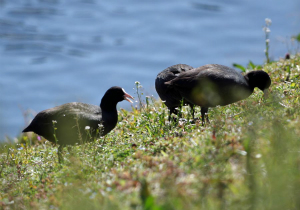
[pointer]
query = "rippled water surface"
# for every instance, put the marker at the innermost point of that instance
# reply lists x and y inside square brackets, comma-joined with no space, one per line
[58,51]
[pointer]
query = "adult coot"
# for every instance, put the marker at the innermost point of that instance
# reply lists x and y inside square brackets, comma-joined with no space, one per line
[171,97]
[213,84]
[75,122]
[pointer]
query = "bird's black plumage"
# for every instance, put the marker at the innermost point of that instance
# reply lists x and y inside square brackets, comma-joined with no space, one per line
[171,97]
[211,85]
[75,122]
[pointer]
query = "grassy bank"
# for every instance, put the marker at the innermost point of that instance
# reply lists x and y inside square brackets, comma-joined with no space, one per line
[246,158]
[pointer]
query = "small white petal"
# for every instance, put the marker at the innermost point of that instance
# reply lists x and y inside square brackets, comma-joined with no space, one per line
[258,156]
[268,21]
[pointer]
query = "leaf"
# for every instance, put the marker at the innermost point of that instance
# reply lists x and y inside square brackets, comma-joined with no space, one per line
[149,130]
[251,65]
[242,68]
[149,204]
[164,154]
[297,37]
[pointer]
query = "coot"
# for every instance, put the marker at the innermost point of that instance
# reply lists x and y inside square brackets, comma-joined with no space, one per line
[75,122]
[211,85]
[171,97]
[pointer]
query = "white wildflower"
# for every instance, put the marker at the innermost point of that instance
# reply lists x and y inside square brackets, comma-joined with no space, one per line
[266,30]
[242,153]
[258,156]
[138,84]
[87,127]
[268,21]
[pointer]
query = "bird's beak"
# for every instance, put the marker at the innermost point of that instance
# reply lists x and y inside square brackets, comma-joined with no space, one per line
[266,93]
[127,96]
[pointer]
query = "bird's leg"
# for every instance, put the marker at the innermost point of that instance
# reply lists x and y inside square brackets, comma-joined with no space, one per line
[170,113]
[192,110]
[207,116]
[174,111]
[204,110]
[171,110]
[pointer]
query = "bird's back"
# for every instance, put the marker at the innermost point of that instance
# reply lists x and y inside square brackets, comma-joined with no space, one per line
[68,122]
[211,85]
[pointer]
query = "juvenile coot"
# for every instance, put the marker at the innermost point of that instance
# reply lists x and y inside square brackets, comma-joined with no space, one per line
[75,122]
[171,97]
[213,84]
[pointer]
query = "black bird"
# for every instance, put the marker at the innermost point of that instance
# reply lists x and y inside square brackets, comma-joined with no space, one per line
[75,122]
[211,85]
[171,97]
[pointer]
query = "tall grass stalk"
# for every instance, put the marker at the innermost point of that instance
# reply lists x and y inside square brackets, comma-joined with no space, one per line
[267,31]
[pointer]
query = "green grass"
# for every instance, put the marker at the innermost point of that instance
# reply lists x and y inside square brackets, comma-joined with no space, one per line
[248,157]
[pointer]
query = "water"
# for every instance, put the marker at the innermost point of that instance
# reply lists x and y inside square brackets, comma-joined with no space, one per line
[58,51]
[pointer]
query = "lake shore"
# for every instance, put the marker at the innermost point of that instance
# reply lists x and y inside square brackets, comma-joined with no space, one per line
[246,158]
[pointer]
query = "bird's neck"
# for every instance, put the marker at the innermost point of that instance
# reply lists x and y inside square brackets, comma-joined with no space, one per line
[108,106]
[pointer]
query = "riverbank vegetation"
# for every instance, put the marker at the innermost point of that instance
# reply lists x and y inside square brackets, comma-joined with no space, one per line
[248,157]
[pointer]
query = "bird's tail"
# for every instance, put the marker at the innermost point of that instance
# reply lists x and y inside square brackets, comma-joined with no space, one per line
[27,129]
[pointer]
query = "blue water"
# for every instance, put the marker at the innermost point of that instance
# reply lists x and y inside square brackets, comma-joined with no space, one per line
[58,51]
